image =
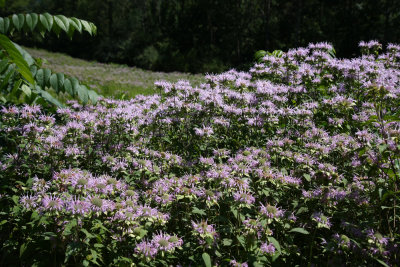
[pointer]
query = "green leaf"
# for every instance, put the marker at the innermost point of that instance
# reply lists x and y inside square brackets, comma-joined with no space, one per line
[33,69]
[259,55]
[276,243]
[60,81]
[18,21]
[4,25]
[86,26]
[43,77]
[93,96]
[241,240]
[198,211]
[382,148]
[75,84]
[29,21]
[3,65]
[88,235]
[54,81]
[28,58]
[382,262]
[300,230]
[206,259]
[68,227]
[142,233]
[389,193]
[17,58]
[98,245]
[4,83]
[227,242]
[93,27]
[71,31]
[15,199]
[48,97]
[26,90]
[332,53]
[40,78]
[47,21]
[68,87]
[62,22]
[22,249]
[83,93]
[77,24]
[307,177]
[35,19]
[49,235]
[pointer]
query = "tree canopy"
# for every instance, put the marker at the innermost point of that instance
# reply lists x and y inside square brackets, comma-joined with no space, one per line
[210,35]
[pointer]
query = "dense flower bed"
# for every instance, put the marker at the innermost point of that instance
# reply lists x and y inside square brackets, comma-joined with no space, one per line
[293,162]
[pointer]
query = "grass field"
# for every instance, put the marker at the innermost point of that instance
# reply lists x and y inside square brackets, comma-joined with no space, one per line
[111,80]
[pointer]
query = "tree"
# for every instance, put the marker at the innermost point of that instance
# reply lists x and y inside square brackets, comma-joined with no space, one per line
[22,80]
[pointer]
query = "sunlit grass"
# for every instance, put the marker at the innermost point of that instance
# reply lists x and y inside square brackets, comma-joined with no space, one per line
[110,80]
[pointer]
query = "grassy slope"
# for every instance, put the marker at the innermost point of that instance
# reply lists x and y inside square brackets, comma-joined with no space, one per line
[110,80]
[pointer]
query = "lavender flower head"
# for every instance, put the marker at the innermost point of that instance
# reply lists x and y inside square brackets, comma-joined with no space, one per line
[268,248]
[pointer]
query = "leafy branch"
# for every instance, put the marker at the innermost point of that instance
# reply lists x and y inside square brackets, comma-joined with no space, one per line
[20,74]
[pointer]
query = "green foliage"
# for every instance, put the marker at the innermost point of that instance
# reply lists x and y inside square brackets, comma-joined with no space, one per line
[22,78]
[45,22]
[211,36]
[259,55]
[15,57]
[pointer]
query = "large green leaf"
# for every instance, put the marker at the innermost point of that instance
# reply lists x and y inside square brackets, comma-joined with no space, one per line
[28,58]
[17,58]
[48,97]
[206,259]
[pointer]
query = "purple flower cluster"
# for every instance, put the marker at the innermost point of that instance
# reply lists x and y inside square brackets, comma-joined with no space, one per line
[161,242]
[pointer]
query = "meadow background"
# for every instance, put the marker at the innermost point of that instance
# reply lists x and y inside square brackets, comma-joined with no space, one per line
[111,80]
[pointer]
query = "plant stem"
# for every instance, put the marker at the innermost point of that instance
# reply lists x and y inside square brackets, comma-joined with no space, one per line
[311,248]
